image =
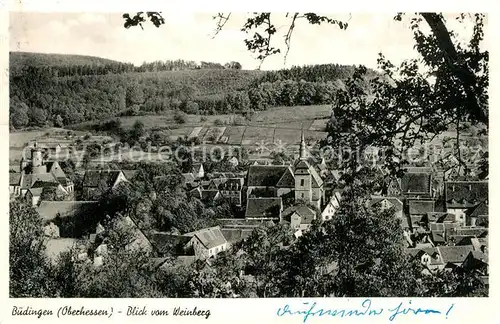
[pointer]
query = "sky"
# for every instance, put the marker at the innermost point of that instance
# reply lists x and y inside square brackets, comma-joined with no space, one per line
[189,36]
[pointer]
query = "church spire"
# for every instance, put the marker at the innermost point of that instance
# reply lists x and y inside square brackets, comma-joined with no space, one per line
[303,152]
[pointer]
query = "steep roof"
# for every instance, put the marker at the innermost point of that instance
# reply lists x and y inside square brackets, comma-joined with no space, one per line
[465,194]
[49,210]
[14,179]
[167,243]
[209,194]
[265,175]
[93,178]
[420,207]
[129,174]
[480,209]
[377,200]
[480,256]
[232,184]
[416,183]
[440,217]
[209,237]
[263,207]
[307,215]
[36,192]
[236,234]
[455,254]
[287,180]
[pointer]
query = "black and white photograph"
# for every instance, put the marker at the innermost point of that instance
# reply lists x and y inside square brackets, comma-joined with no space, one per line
[175,154]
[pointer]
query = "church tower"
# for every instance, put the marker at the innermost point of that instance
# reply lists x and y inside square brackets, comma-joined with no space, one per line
[303,181]
[37,160]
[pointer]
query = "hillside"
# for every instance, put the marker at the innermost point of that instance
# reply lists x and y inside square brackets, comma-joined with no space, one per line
[60,90]
[19,60]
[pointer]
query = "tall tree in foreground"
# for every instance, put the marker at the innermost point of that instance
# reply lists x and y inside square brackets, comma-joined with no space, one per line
[30,272]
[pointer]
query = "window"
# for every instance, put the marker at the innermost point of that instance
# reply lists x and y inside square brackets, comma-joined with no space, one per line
[302,182]
[301,195]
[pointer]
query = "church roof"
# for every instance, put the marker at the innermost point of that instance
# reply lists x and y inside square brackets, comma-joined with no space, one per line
[287,180]
[265,175]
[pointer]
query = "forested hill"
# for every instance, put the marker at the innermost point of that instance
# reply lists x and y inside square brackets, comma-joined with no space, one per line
[64,92]
[21,60]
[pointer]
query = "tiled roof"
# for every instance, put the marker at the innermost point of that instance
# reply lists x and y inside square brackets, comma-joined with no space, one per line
[480,209]
[209,237]
[265,175]
[440,217]
[129,174]
[36,192]
[14,179]
[438,236]
[209,194]
[420,207]
[455,254]
[232,184]
[376,200]
[93,178]
[263,207]
[465,194]
[48,210]
[416,183]
[287,180]
[478,255]
[307,215]
[233,235]
[168,243]
[431,251]
[470,231]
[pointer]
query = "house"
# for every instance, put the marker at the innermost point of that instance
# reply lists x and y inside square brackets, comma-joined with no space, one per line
[386,203]
[268,208]
[417,183]
[168,244]
[33,195]
[420,207]
[331,207]
[96,182]
[235,234]
[231,190]
[207,242]
[460,196]
[302,217]
[454,256]
[15,184]
[198,171]
[477,261]
[189,181]
[206,195]
[429,257]
[477,215]
[233,161]
[393,187]
[136,239]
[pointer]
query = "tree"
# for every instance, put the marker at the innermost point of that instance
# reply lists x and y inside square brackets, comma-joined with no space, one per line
[30,272]
[58,121]
[138,131]
[38,117]
[19,113]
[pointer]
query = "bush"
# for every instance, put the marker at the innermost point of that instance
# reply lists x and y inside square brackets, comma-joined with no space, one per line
[218,122]
[180,117]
